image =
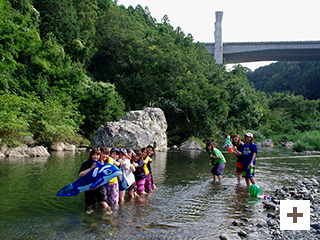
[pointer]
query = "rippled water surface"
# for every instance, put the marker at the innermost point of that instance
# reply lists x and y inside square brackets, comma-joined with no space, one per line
[186,205]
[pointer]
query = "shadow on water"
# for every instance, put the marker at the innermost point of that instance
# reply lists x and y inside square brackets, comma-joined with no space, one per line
[186,203]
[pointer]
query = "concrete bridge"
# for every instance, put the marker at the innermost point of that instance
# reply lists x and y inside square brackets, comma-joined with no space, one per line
[239,52]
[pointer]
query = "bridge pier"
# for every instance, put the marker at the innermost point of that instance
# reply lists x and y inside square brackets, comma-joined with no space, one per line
[218,46]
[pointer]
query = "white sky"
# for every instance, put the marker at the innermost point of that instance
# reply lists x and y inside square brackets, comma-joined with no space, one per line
[243,20]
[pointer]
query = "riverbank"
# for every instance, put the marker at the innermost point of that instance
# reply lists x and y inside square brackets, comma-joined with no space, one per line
[269,227]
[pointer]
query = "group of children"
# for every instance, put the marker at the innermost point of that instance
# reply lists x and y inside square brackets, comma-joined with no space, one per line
[246,159]
[136,176]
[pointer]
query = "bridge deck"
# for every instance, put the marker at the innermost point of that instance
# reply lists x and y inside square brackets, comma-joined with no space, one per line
[238,52]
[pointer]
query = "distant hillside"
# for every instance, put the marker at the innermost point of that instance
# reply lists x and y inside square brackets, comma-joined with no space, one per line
[301,78]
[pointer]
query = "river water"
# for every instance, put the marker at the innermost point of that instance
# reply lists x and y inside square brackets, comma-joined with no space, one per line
[186,204]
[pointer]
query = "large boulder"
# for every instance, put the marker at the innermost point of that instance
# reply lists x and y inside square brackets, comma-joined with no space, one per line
[190,145]
[38,151]
[135,130]
[267,144]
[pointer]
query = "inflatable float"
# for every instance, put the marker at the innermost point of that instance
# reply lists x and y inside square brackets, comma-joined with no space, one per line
[96,177]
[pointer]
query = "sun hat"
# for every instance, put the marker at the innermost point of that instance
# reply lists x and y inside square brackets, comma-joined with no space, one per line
[249,135]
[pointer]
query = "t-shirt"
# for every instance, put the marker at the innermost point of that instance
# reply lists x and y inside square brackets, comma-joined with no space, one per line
[247,152]
[113,180]
[216,152]
[126,172]
[239,157]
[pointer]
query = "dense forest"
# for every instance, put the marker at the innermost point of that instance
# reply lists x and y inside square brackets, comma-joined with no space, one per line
[301,78]
[67,67]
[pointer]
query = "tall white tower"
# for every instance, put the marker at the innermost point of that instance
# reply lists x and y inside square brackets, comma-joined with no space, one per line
[218,47]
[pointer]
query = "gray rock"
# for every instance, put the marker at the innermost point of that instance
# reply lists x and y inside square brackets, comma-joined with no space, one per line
[69,147]
[271,223]
[135,130]
[287,144]
[261,223]
[267,143]
[57,146]
[38,151]
[269,205]
[190,145]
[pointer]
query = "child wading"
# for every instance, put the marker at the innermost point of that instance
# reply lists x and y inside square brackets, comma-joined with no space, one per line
[217,160]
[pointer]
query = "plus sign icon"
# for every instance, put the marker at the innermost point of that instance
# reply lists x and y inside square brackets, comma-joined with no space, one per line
[294,214]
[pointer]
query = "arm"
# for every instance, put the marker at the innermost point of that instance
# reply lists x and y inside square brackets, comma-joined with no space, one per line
[116,163]
[236,152]
[252,160]
[132,168]
[84,172]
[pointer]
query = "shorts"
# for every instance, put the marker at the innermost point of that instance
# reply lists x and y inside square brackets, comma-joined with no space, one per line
[133,186]
[218,168]
[239,168]
[113,193]
[98,194]
[248,172]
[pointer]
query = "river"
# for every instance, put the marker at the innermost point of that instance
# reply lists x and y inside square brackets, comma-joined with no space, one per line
[186,204]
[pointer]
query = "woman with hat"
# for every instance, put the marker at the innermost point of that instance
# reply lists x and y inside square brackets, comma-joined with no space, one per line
[249,152]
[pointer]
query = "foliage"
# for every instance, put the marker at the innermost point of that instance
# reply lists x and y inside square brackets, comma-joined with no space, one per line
[67,67]
[301,78]
[307,141]
[46,121]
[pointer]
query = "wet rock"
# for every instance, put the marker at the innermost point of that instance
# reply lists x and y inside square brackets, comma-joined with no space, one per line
[224,237]
[271,223]
[271,215]
[261,223]
[237,223]
[242,233]
[315,225]
[276,233]
[269,205]
[244,219]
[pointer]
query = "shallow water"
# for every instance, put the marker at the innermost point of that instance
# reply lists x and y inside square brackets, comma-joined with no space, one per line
[186,204]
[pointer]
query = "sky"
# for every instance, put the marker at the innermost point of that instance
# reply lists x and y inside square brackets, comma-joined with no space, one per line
[243,20]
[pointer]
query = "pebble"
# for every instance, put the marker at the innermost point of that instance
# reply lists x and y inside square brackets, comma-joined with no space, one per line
[270,228]
[242,233]
[224,237]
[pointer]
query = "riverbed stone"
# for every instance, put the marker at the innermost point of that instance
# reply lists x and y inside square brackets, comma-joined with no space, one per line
[224,237]
[242,233]
[261,223]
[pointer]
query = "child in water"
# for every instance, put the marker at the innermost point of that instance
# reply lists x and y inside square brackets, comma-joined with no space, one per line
[217,160]
[98,193]
[237,144]
[127,177]
[249,153]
